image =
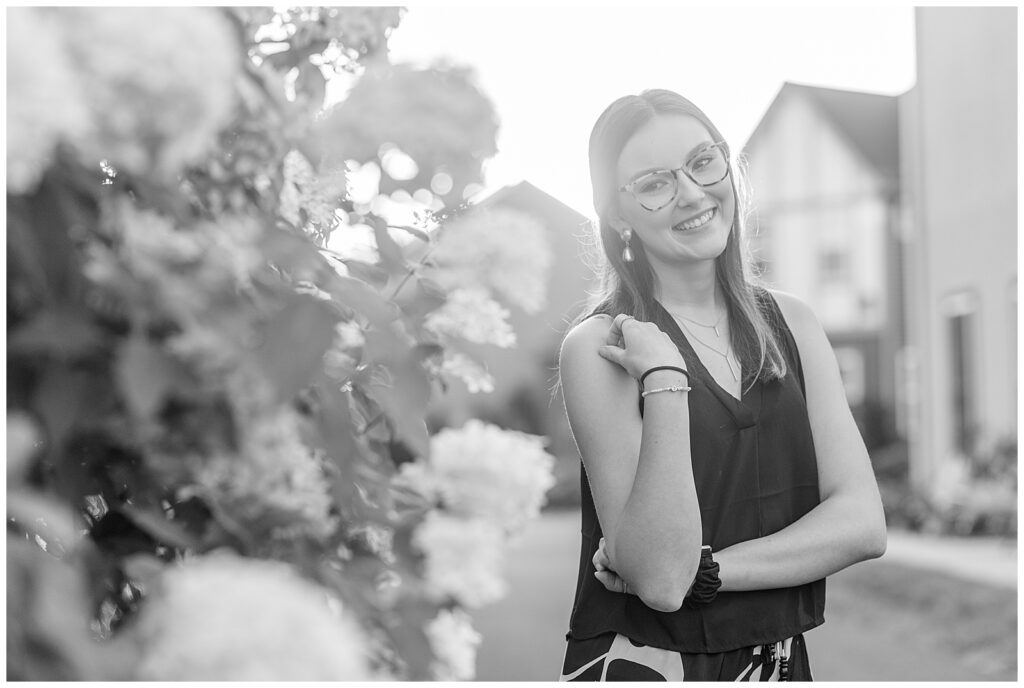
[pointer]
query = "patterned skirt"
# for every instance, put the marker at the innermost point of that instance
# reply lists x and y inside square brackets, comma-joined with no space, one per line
[614,657]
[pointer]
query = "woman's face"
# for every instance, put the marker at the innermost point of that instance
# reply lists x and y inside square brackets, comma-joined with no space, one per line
[696,224]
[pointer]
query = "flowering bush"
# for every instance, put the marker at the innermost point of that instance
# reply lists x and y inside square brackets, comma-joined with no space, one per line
[209,400]
[191,629]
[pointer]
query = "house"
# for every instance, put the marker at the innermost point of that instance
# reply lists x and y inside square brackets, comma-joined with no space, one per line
[823,167]
[958,141]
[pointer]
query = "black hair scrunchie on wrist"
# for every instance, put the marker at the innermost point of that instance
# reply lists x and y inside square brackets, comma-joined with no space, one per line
[706,584]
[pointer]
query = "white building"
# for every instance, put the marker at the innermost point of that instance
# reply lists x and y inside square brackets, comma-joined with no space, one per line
[958,136]
[823,165]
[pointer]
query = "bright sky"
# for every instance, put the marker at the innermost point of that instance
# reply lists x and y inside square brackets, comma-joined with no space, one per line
[551,71]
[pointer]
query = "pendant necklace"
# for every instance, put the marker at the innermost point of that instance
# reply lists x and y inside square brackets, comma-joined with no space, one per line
[728,355]
[710,327]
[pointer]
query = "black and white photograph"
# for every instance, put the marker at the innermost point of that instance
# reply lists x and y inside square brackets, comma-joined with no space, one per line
[498,343]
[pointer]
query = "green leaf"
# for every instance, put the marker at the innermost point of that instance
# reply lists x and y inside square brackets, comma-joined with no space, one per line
[63,333]
[156,524]
[391,253]
[372,274]
[362,298]
[294,341]
[146,375]
[405,391]
[293,253]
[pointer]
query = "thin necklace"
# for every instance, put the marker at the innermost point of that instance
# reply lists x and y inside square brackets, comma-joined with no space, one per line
[714,327]
[728,350]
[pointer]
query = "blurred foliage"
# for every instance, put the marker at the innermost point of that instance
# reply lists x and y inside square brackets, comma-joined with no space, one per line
[191,369]
[975,496]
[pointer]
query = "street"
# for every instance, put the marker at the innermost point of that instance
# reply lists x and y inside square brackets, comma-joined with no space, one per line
[884,621]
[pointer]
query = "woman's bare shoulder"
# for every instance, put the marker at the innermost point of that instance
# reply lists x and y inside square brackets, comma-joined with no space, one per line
[586,335]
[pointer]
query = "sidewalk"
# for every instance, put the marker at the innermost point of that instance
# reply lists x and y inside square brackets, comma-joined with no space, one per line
[987,560]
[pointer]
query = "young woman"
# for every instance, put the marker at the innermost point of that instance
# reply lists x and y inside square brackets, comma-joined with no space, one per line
[723,475]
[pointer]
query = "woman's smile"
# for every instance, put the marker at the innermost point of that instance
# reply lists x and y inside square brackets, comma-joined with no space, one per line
[696,222]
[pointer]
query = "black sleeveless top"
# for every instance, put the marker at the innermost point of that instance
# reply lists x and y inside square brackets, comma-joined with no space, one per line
[756,473]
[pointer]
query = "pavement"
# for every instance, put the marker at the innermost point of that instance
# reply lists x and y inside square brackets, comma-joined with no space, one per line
[990,560]
[881,638]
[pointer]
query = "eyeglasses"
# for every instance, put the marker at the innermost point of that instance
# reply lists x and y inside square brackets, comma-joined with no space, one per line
[655,190]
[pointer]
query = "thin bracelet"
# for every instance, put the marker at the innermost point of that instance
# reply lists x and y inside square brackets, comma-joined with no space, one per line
[665,367]
[673,388]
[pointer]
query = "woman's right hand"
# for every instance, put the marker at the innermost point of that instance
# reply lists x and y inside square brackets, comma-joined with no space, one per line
[639,346]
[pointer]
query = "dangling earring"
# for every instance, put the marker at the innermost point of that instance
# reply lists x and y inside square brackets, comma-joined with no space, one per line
[627,252]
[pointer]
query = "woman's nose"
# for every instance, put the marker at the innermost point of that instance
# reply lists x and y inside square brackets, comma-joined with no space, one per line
[689,191]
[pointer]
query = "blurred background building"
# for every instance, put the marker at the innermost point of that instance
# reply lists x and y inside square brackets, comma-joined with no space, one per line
[824,170]
[895,219]
[958,144]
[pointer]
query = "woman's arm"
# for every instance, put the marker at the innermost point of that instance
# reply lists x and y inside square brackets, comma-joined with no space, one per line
[848,525]
[639,469]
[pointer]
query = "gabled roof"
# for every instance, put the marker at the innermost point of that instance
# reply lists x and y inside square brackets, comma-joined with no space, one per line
[526,197]
[869,121]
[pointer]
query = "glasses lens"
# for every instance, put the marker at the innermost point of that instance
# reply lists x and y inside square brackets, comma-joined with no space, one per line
[656,189]
[709,166]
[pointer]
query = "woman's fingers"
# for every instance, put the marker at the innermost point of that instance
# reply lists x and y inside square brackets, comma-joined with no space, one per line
[612,582]
[601,561]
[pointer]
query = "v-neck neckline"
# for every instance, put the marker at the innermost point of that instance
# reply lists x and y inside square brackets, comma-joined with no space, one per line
[744,408]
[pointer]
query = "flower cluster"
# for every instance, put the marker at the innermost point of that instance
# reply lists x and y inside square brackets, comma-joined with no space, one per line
[472,315]
[43,101]
[501,250]
[308,199]
[473,374]
[119,84]
[137,72]
[274,472]
[454,642]
[463,558]
[181,268]
[482,471]
[226,618]
[487,482]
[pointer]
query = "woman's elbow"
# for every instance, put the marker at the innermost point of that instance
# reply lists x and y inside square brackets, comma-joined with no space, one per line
[874,537]
[666,593]
[664,599]
[877,541]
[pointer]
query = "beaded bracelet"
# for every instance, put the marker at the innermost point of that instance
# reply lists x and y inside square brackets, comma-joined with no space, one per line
[673,388]
[664,367]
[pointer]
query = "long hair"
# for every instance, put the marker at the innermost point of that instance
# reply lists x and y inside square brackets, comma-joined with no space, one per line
[630,287]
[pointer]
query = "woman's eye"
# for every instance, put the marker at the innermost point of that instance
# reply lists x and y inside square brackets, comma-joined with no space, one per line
[652,185]
[700,163]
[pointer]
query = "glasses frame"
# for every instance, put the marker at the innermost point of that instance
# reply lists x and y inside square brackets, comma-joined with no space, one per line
[721,145]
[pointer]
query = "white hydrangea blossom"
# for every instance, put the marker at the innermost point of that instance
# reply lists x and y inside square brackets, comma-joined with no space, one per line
[44,103]
[454,642]
[498,249]
[471,314]
[463,558]
[187,265]
[483,471]
[274,469]
[159,82]
[316,194]
[472,373]
[222,617]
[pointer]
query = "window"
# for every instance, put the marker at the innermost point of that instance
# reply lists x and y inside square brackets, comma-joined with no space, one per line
[961,315]
[833,265]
